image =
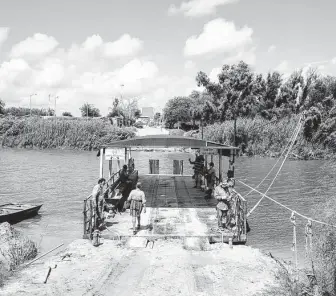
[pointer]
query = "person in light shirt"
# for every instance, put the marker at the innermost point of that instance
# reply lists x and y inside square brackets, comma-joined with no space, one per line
[98,200]
[224,196]
[137,201]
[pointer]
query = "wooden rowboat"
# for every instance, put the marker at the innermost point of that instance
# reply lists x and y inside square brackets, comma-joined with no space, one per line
[14,213]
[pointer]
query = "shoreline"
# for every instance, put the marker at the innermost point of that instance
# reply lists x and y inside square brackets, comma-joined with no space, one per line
[272,155]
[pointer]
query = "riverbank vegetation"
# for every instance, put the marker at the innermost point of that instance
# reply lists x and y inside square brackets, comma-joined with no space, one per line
[15,249]
[261,106]
[72,133]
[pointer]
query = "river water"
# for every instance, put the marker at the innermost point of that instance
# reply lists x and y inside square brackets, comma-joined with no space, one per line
[62,179]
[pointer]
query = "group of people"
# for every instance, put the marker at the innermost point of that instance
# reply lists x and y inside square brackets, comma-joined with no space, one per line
[136,201]
[223,193]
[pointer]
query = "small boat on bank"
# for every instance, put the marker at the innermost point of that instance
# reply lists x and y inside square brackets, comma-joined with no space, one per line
[14,212]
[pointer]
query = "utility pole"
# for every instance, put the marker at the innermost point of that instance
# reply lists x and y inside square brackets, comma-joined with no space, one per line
[55,105]
[30,103]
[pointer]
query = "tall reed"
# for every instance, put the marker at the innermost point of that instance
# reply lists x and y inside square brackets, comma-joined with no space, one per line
[36,132]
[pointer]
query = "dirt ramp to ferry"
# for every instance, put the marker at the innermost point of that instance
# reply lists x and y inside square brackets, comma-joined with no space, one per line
[169,267]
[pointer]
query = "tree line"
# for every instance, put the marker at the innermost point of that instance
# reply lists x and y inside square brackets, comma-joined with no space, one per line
[242,93]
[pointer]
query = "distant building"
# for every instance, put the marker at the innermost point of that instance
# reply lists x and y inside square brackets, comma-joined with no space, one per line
[148,111]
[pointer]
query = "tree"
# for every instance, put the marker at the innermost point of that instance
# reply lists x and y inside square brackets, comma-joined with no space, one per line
[157,116]
[272,86]
[2,107]
[89,110]
[67,113]
[129,106]
[176,110]
[229,94]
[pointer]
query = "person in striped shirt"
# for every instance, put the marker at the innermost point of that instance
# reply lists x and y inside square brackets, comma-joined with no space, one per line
[198,167]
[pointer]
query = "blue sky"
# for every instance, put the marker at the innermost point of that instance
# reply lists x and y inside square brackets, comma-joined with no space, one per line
[83,51]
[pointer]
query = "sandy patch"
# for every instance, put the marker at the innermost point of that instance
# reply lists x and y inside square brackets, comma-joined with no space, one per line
[171,267]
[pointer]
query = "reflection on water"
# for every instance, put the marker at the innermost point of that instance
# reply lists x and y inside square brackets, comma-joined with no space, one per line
[62,179]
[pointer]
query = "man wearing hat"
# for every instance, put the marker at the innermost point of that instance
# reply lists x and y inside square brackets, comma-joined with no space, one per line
[223,195]
[138,202]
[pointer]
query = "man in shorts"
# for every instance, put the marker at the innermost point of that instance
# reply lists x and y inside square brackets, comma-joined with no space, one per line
[137,201]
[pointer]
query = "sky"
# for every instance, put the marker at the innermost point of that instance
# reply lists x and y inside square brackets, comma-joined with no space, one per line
[82,51]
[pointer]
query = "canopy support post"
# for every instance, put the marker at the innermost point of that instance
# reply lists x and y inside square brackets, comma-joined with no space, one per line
[220,167]
[110,168]
[101,174]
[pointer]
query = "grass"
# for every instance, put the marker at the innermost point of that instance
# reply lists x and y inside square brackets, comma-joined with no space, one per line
[15,249]
[36,132]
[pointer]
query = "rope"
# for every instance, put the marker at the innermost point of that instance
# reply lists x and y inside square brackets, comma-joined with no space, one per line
[278,172]
[262,181]
[291,210]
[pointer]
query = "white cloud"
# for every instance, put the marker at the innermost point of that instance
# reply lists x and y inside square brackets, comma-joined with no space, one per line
[271,48]
[124,46]
[197,8]
[219,36]
[283,67]
[3,35]
[189,65]
[214,74]
[93,42]
[248,56]
[83,73]
[333,61]
[37,45]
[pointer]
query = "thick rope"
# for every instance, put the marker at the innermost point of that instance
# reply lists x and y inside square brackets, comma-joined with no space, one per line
[289,209]
[283,152]
[282,164]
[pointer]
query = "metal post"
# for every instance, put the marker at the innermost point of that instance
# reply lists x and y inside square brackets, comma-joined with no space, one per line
[110,168]
[202,126]
[220,168]
[85,220]
[55,105]
[101,163]
[235,137]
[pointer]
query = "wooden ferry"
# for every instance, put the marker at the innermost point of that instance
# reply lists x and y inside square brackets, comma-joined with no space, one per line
[175,209]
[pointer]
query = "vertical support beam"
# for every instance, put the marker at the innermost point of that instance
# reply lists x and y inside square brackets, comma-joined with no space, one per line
[181,162]
[126,157]
[90,221]
[110,169]
[220,167]
[206,169]
[85,220]
[101,173]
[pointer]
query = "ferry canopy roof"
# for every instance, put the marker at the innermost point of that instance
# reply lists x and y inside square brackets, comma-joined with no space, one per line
[167,141]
